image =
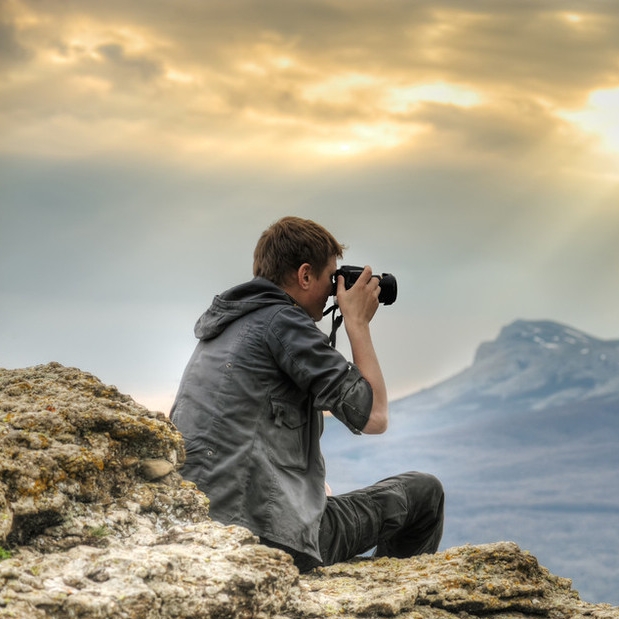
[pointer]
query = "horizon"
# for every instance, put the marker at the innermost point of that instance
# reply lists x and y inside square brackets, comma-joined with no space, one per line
[402,396]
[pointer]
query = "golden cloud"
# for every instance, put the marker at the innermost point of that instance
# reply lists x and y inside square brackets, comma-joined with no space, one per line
[301,80]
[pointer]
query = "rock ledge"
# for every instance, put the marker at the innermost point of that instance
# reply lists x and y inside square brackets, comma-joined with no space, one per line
[95,521]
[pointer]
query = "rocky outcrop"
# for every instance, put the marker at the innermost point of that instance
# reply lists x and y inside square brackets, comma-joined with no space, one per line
[82,463]
[95,521]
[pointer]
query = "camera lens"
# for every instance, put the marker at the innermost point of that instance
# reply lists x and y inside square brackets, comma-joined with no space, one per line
[388,289]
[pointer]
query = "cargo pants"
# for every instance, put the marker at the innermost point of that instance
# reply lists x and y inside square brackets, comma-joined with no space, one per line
[400,516]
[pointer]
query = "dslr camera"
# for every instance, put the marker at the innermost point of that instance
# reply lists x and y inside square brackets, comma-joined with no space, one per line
[387,283]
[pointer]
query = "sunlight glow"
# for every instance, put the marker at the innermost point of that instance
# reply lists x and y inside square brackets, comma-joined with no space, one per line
[401,99]
[339,87]
[180,77]
[574,18]
[58,58]
[600,117]
[283,62]
[363,139]
[265,60]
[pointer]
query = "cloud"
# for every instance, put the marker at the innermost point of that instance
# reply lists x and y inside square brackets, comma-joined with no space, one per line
[11,52]
[134,66]
[308,81]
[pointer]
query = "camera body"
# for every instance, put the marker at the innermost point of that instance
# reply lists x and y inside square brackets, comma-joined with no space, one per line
[388,284]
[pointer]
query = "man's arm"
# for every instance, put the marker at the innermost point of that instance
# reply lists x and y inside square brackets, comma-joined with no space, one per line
[358,306]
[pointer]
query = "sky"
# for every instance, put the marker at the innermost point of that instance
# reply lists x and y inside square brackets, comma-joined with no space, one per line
[471,149]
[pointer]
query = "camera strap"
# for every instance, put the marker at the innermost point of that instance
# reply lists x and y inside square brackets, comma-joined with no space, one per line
[336,321]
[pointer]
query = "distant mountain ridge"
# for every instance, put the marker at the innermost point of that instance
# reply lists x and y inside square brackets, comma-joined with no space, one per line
[532,365]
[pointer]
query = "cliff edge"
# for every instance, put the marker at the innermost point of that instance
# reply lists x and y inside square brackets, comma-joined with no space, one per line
[95,521]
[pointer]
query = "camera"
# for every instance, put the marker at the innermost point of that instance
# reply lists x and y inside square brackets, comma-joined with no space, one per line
[388,284]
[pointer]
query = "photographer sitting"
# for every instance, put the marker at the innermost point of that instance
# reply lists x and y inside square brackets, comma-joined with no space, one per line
[250,409]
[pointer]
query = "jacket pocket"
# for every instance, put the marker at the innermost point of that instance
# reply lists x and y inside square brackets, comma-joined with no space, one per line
[286,435]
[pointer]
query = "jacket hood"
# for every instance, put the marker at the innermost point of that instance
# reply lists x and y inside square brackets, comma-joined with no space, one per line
[237,302]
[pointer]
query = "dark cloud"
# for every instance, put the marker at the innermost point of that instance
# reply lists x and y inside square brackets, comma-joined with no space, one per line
[134,65]
[12,52]
[539,50]
[533,47]
[514,129]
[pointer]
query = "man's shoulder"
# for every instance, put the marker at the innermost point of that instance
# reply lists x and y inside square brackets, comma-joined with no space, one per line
[293,328]
[291,315]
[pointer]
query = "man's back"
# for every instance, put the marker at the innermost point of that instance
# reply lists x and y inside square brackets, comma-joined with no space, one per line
[250,410]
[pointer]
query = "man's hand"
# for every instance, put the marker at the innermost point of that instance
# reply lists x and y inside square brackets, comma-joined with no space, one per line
[359,303]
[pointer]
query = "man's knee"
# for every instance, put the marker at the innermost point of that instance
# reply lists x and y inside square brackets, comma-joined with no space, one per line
[423,486]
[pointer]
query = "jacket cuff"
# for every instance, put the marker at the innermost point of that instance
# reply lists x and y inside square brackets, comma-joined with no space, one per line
[355,405]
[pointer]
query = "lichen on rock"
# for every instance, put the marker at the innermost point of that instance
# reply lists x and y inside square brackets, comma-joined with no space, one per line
[95,521]
[74,452]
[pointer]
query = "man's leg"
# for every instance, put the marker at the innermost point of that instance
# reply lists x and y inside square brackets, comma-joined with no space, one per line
[401,516]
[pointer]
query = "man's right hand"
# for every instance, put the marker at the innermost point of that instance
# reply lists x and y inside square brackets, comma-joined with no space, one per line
[359,303]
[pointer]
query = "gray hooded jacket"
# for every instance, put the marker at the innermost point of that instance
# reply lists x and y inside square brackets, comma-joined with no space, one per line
[250,408]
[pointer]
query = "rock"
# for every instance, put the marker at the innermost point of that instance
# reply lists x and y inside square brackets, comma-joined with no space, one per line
[77,458]
[155,469]
[200,570]
[95,521]
[488,580]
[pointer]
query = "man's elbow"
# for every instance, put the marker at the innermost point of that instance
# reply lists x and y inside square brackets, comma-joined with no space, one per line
[377,423]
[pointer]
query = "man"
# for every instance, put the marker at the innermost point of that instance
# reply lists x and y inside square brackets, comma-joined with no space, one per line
[250,408]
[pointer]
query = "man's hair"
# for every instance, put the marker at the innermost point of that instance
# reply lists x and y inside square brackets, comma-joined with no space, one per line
[291,242]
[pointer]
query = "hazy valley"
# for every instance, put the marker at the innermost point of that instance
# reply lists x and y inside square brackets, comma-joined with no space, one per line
[525,442]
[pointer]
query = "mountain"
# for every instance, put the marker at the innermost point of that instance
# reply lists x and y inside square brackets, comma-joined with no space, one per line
[531,365]
[525,441]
